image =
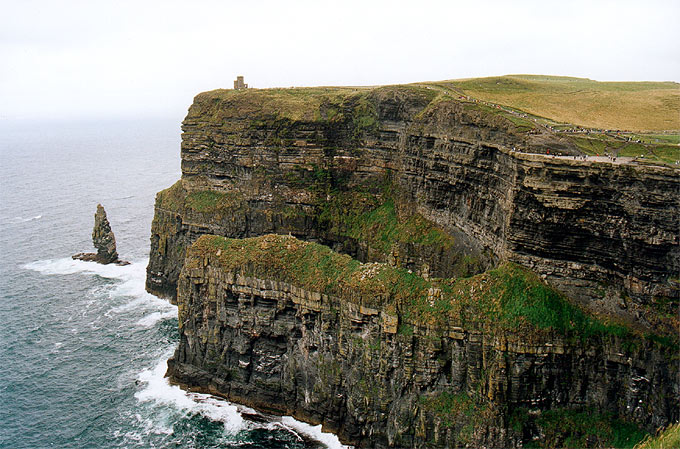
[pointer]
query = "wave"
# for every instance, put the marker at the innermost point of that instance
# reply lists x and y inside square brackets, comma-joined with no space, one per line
[159,391]
[156,389]
[68,265]
[132,279]
[314,432]
[17,220]
[153,318]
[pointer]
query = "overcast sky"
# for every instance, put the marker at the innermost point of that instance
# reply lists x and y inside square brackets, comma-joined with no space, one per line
[100,58]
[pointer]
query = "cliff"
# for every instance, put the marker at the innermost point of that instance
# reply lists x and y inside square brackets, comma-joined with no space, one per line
[419,322]
[414,176]
[384,357]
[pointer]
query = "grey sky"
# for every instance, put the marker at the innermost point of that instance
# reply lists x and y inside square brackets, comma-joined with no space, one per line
[121,58]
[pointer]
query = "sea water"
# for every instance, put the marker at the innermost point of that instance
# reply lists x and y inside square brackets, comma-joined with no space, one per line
[83,347]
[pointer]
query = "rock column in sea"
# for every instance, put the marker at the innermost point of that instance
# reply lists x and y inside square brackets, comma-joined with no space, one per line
[104,240]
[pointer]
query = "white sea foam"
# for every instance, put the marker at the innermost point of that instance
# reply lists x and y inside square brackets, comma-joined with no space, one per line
[314,432]
[156,388]
[68,265]
[155,317]
[132,279]
[159,391]
[25,220]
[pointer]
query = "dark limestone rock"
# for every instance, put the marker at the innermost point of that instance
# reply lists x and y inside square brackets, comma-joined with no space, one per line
[381,378]
[605,234]
[104,240]
[602,233]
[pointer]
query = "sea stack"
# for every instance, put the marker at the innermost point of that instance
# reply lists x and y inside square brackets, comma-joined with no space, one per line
[104,240]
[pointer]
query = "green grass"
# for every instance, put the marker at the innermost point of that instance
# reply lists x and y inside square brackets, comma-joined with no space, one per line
[582,428]
[373,218]
[176,198]
[597,144]
[515,299]
[453,408]
[668,438]
[507,299]
[670,138]
[607,105]
[379,225]
[637,106]
[329,104]
[171,198]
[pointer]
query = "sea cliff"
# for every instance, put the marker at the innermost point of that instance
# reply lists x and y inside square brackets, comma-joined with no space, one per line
[452,206]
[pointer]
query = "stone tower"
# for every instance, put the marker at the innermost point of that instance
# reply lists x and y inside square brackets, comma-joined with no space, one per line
[239,84]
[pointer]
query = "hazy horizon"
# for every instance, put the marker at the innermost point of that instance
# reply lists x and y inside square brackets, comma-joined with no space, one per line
[123,59]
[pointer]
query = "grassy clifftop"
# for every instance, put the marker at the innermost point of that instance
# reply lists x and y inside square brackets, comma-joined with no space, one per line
[635,106]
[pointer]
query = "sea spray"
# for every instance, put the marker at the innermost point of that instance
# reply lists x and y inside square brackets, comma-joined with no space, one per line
[162,411]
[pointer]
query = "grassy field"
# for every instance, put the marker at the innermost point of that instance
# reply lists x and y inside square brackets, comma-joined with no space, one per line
[635,106]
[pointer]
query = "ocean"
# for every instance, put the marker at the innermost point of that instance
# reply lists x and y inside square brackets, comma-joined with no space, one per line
[83,347]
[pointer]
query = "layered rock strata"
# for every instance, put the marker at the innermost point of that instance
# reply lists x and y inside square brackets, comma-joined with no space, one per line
[292,328]
[273,161]
[439,339]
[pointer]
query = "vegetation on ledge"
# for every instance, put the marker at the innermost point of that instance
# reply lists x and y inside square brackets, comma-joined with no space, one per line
[578,428]
[176,198]
[668,438]
[508,299]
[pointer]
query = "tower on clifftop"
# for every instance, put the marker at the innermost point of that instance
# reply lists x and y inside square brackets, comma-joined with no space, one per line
[239,84]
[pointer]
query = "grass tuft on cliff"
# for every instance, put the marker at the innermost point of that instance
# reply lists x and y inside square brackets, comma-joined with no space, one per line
[507,299]
[176,198]
[668,438]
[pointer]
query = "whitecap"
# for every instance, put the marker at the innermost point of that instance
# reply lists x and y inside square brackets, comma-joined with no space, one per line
[159,391]
[68,265]
[133,276]
[314,432]
[25,220]
[155,317]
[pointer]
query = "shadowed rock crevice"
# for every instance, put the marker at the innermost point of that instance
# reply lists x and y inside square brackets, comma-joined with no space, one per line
[103,240]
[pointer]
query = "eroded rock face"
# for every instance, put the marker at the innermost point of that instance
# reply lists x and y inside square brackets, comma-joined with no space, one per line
[434,187]
[103,240]
[380,377]
[605,234]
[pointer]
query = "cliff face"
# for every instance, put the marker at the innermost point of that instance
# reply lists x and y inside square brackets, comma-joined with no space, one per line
[428,363]
[316,164]
[441,338]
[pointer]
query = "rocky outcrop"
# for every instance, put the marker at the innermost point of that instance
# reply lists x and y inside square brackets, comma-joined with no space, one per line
[315,163]
[425,325]
[104,240]
[385,358]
